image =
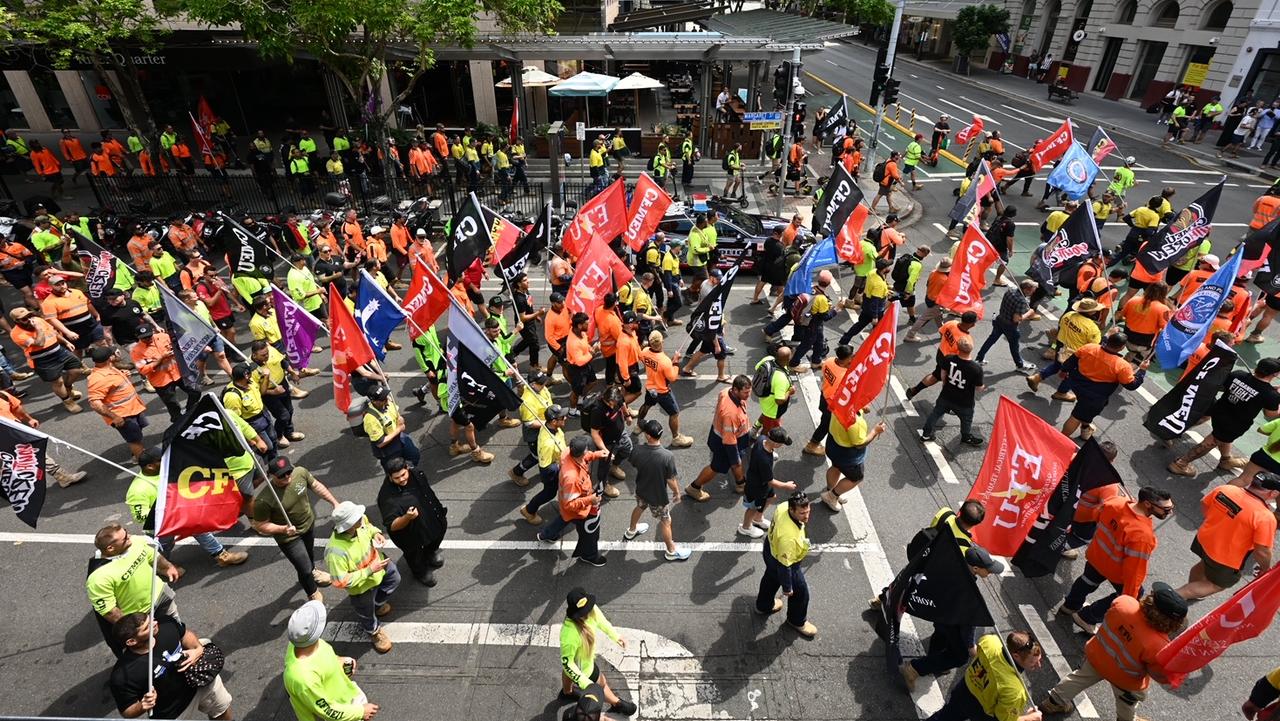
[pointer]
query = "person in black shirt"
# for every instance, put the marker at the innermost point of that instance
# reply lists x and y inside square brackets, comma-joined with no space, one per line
[176,649]
[760,483]
[770,267]
[1001,236]
[608,420]
[941,130]
[1243,395]
[961,380]
[1015,307]
[415,518]
[122,316]
[527,318]
[331,268]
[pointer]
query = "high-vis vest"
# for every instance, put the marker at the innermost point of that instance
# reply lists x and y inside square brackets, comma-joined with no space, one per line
[1124,645]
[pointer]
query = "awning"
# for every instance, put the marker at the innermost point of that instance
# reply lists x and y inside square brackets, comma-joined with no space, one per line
[708,46]
[685,12]
[781,28]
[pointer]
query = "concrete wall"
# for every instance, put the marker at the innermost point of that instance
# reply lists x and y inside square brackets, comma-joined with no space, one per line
[1263,32]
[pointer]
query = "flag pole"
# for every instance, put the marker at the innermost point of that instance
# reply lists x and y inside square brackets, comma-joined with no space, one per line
[27,429]
[151,613]
[257,461]
[166,291]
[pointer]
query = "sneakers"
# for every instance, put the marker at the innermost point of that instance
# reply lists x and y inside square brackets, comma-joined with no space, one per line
[457,449]
[624,707]
[533,518]
[230,558]
[23,375]
[808,630]
[508,423]
[611,491]
[814,449]
[598,561]
[482,456]
[927,436]
[696,493]
[1067,396]
[749,532]
[640,529]
[517,479]
[1027,367]
[382,610]
[282,442]
[1049,705]
[912,338]
[617,473]
[1255,338]
[421,394]
[1178,468]
[973,440]
[322,578]
[308,372]
[297,393]
[381,643]
[909,675]
[682,442]
[680,554]
[296,436]
[830,500]
[763,524]
[65,479]
[1033,382]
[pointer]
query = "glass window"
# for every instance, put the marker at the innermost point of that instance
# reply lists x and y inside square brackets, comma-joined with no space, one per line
[1217,18]
[102,99]
[1128,11]
[10,113]
[1166,16]
[55,103]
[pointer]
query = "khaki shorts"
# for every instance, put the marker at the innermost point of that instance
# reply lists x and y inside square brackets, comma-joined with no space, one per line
[661,513]
[211,700]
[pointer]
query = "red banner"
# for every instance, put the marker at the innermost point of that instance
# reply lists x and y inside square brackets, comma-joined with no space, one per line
[505,235]
[201,136]
[1024,462]
[349,347]
[604,216]
[849,239]
[426,300]
[869,371]
[963,291]
[649,204]
[1051,148]
[970,131]
[514,135]
[1243,616]
[599,271]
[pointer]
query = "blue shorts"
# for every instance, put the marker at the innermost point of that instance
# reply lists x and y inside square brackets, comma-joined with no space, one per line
[724,457]
[849,461]
[131,429]
[665,401]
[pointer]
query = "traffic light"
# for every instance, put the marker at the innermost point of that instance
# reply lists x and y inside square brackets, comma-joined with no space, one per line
[781,77]
[891,91]
[878,82]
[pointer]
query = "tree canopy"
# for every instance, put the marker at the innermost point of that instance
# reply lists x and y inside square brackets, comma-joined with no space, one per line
[975,24]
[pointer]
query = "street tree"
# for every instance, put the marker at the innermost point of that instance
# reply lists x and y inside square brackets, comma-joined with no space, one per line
[360,41]
[878,13]
[975,24]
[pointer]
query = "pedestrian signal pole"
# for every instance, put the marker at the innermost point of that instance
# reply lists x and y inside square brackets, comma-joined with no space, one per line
[879,98]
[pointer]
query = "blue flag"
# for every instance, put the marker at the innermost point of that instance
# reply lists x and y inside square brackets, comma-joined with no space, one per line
[377,314]
[1186,330]
[819,255]
[1075,172]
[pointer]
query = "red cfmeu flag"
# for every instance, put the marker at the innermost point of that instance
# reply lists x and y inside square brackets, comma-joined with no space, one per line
[197,491]
[1051,148]
[1024,462]
[963,290]
[515,121]
[505,234]
[869,371]
[649,204]
[599,269]
[970,131]
[1243,616]
[426,300]
[849,239]
[349,347]
[604,216]
[200,133]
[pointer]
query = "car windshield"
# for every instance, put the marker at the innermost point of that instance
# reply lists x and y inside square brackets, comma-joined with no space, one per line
[748,223]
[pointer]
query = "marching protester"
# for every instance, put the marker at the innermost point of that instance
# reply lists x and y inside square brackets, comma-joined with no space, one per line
[579,502]
[157,674]
[415,518]
[1242,397]
[284,512]
[728,439]
[316,678]
[657,488]
[992,686]
[578,636]
[961,379]
[786,544]
[357,564]
[1238,526]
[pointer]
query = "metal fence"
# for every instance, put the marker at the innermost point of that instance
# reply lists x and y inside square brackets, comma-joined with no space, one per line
[159,196]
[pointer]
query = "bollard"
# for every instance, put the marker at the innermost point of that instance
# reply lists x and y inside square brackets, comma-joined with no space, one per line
[968,150]
[913,122]
[897,113]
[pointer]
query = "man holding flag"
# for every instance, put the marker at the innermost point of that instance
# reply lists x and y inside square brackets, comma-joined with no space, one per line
[1094,373]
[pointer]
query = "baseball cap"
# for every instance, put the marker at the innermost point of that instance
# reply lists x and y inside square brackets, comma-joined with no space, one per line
[56,279]
[102,353]
[1211,260]
[556,297]
[379,393]
[1267,481]
[579,603]
[629,317]
[420,232]
[1168,600]
[145,331]
[779,435]
[716,273]
[377,229]
[651,428]
[1130,160]
[279,466]
[978,557]
[555,411]
[538,377]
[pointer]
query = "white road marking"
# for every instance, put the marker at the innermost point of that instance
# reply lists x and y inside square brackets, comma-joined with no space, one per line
[1179,182]
[939,460]
[1037,626]
[966,111]
[1146,395]
[663,675]
[915,77]
[898,391]
[1056,121]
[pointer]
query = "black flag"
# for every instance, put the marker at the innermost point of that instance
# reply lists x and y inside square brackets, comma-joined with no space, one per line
[936,586]
[837,116]
[22,470]
[1076,240]
[520,257]
[101,268]
[190,336]
[840,196]
[1263,242]
[708,317]
[1191,225]
[1191,397]
[541,234]
[246,250]
[480,389]
[468,239]
[1040,553]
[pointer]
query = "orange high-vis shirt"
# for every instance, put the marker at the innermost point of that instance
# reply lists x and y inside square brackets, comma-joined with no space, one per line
[426,253]
[10,407]
[460,294]
[441,145]
[659,371]
[1149,320]
[44,162]
[951,333]
[934,285]
[72,149]
[375,248]
[832,373]
[13,256]
[1098,365]
[69,308]
[100,164]
[1091,501]
[140,251]
[180,150]
[1265,210]
[114,148]
[192,272]
[144,160]
[400,239]
[577,350]
[1122,545]
[851,159]
[556,327]
[34,342]
[1125,646]
[416,163]
[354,235]
[109,386]
[1234,522]
[730,420]
[628,354]
[1141,273]
[155,360]
[609,326]
[183,236]
[789,235]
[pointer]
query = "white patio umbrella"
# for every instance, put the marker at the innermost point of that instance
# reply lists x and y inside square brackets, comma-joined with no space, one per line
[585,85]
[531,77]
[637,82]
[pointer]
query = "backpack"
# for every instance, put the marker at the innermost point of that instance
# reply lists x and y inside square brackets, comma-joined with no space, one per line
[762,381]
[920,542]
[801,309]
[902,269]
[724,162]
[653,162]
[874,235]
[587,408]
[878,173]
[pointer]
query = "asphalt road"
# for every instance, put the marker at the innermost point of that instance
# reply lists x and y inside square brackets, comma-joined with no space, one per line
[480,644]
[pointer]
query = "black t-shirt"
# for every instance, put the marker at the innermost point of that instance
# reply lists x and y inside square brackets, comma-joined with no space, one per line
[960,380]
[607,420]
[123,320]
[759,471]
[329,267]
[1244,395]
[523,305]
[129,676]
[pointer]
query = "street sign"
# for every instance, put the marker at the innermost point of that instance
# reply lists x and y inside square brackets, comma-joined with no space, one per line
[764,121]
[580,131]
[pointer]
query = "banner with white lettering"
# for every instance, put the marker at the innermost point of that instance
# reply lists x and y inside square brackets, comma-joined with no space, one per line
[469,238]
[246,249]
[1186,330]
[22,470]
[1051,148]
[649,203]
[963,290]
[1190,398]
[869,372]
[840,196]
[1191,225]
[1024,462]
[1075,241]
